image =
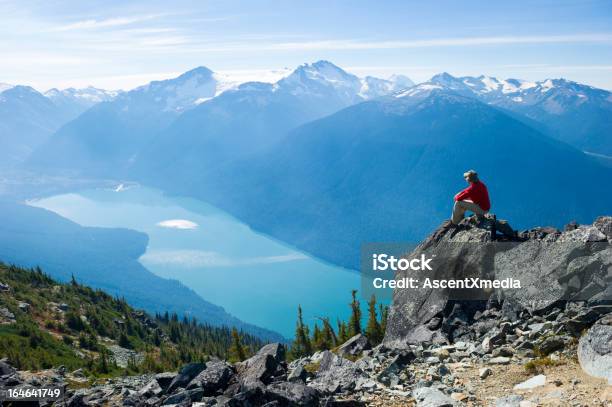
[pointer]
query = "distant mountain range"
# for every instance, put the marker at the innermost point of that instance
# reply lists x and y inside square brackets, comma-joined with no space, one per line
[252,117]
[28,117]
[202,117]
[210,115]
[387,169]
[577,114]
[76,101]
[106,138]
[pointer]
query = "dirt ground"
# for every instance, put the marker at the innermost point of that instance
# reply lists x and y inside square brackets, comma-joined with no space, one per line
[566,385]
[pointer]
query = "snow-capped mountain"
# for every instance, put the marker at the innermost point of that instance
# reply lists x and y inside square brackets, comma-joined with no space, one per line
[183,92]
[88,96]
[208,109]
[319,79]
[569,111]
[75,101]
[508,92]
[372,87]
[109,135]
[324,77]
[254,116]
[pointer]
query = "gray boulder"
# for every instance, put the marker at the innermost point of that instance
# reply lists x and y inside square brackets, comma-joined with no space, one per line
[299,374]
[259,370]
[531,383]
[185,375]
[6,369]
[394,367]
[165,379]
[213,378]
[430,397]
[457,253]
[335,374]
[151,389]
[550,345]
[354,346]
[292,394]
[595,350]
[185,396]
[276,350]
[251,397]
[551,266]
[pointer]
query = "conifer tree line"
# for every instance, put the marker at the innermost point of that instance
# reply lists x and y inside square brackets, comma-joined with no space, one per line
[324,337]
[166,340]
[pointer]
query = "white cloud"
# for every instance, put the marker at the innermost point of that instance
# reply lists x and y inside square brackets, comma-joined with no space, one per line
[207,259]
[20,60]
[104,23]
[178,224]
[334,44]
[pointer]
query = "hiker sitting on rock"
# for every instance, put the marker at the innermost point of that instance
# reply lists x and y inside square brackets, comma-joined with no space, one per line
[474,198]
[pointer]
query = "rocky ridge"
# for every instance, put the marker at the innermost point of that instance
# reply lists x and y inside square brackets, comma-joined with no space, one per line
[503,350]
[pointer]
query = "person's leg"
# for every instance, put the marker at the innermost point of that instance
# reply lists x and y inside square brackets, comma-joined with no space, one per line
[461,207]
[458,212]
[471,206]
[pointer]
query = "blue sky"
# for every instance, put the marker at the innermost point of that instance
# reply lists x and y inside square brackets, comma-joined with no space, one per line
[123,44]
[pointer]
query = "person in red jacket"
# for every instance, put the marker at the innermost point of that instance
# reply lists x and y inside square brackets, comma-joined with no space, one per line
[474,198]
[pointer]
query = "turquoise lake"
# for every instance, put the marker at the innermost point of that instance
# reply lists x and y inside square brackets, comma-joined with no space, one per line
[254,277]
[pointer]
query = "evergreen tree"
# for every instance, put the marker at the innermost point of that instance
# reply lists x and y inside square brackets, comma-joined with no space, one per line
[328,337]
[157,338]
[124,341]
[102,366]
[316,337]
[373,329]
[301,344]
[354,325]
[342,332]
[236,351]
[384,313]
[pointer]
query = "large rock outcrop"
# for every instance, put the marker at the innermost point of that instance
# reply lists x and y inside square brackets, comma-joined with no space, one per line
[551,266]
[595,350]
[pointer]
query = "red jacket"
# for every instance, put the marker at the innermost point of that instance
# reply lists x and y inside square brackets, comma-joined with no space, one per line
[477,193]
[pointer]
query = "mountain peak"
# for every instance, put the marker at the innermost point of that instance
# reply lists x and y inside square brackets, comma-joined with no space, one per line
[22,90]
[322,79]
[444,76]
[323,63]
[445,79]
[198,72]
[323,71]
